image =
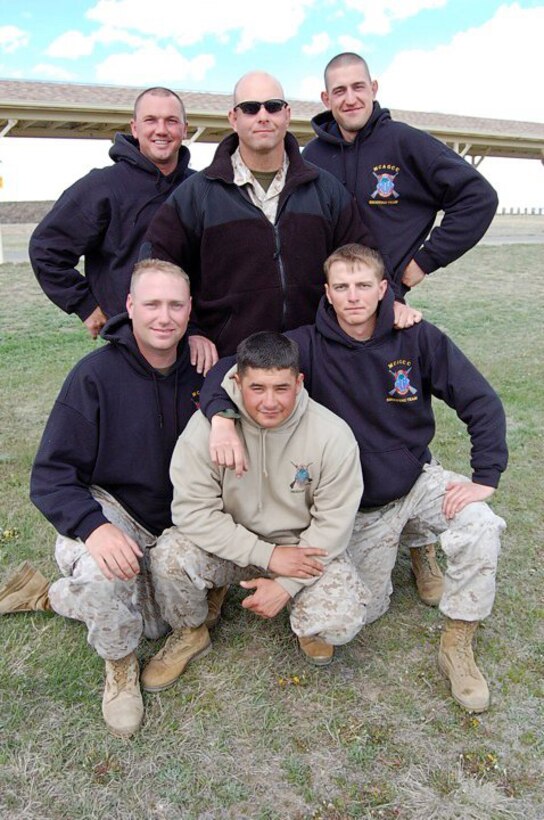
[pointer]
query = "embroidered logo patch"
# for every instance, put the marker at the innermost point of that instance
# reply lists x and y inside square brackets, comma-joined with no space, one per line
[402,390]
[302,477]
[384,192]
[195,398]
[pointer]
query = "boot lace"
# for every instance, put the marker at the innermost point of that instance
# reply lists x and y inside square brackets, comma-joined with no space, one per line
[123,671]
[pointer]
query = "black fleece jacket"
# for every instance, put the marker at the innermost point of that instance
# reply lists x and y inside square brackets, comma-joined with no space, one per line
[401,178]
[114,424]
[382,388]
[248,274]
[104,217]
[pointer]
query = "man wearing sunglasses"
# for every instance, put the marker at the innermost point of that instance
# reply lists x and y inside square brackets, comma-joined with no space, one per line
[254,228]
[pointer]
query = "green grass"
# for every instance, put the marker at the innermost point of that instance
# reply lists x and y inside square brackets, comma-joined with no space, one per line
[251,731]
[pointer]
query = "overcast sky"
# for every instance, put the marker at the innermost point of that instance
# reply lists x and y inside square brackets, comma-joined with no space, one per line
[472,57]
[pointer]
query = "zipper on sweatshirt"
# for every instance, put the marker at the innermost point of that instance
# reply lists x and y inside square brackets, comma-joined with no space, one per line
[277,250]
[281,270]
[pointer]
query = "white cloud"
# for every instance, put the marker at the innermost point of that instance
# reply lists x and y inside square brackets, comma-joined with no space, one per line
[275,22]
[152,64]
[348,43]
[309,88]
[12,38]
[319,44]
[71,45]
[490,71]
[11,73]
[379,14]
[52,72]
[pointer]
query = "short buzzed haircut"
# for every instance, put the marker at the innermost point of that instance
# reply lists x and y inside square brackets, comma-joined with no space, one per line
[267,350]
[346,58]
[157,266]
[355,254]
[159,91]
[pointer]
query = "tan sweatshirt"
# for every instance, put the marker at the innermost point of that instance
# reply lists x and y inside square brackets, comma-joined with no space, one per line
[303,486]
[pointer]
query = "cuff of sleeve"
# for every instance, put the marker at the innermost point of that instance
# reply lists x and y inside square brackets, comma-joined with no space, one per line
[289,585]
[228,413]
[86,307]
[425,261]
[89,524]
[489,478]
[261,554]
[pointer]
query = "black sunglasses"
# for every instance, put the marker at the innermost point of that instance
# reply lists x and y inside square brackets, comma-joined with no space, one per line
[252,107]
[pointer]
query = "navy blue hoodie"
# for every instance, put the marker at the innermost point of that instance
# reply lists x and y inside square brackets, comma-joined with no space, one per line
[382,388]
[401,178]
[104,217]
[114,424]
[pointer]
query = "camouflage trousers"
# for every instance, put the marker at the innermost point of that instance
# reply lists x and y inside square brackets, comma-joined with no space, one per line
[117,613]
[333,607]
[470,542]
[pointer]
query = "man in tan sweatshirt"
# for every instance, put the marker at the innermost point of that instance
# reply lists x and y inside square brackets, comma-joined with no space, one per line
[281,530]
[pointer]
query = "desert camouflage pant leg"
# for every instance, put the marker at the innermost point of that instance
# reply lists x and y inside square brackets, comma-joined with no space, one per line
[416,535]
[333,607]
[183,573]
[470,541]
[116,612]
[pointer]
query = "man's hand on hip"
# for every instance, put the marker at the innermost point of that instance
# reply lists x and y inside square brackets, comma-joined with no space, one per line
[95,322]
[115,552]
[412,275]
[268,599]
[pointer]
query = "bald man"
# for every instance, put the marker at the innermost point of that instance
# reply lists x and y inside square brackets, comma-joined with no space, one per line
[254,228]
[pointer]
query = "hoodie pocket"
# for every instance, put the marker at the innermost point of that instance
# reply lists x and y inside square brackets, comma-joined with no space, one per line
[388,475]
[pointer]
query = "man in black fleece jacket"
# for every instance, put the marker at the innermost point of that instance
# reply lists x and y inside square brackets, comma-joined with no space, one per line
[254,228]
[101,479]
[380,381]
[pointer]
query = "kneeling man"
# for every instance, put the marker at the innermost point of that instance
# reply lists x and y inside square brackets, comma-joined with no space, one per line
[101,478]
[281,530]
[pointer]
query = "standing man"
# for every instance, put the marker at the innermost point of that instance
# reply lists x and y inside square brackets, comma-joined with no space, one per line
[101,478]
[254,228]
[281,530]
[382,382]
[400,176]
[105,215]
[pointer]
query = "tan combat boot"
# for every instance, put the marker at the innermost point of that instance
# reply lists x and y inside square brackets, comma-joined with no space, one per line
[181,647]
[122,705]
[316,651]
[429,578]
[216,597]
[456,662]
[24,591]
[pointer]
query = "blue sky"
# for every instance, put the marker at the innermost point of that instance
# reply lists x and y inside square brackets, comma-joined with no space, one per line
[473,57]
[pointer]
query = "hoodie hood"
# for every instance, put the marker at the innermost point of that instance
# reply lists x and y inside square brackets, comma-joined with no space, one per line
[127,149]
[260,439]
[327,323]
[118,331]
[234,393]
[326,127]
